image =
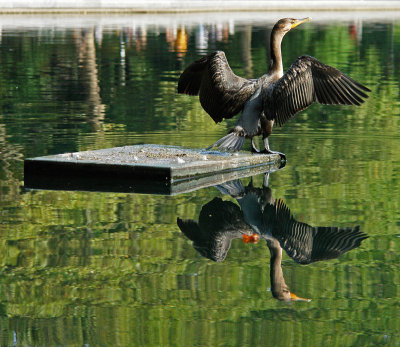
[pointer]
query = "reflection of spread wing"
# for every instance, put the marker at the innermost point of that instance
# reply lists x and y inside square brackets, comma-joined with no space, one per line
[307,81]
[219,222]
[222,93]
[306,244]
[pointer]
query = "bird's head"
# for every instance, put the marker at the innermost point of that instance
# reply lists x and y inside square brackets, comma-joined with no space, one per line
[288,296]
[285,24]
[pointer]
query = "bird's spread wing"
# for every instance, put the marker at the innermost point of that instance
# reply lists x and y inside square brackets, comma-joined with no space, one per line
[222,93]
[306,244]
[307,81]
[331,242]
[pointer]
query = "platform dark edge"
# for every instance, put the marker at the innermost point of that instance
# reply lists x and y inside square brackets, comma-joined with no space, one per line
[58,175]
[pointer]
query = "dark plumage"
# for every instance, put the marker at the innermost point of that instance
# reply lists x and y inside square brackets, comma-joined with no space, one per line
[274,97]
[219,223]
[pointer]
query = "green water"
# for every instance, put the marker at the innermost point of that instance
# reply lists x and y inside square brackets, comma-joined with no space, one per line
[104,269]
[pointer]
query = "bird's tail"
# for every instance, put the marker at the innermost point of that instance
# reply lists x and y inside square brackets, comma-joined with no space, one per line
[231,142]
[233,188]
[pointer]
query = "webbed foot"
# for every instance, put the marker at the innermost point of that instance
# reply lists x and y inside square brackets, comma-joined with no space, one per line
[268,151]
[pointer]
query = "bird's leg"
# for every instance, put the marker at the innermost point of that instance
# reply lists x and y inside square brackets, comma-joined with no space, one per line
[266,197]
[266,150]
[266,179]
[254,149]
[266,126]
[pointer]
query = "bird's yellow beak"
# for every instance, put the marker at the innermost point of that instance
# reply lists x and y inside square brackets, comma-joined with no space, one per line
[300,21]
[294,297]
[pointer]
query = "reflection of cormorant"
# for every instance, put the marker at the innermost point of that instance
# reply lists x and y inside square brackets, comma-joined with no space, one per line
[221,221]
[274,97]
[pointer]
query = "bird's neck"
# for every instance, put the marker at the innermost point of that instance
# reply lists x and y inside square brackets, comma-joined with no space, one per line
[278,284]
[276,66]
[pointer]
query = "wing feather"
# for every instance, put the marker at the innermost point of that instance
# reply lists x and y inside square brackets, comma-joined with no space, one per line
[306,244]
[308,81]
[190,80]
[222,93]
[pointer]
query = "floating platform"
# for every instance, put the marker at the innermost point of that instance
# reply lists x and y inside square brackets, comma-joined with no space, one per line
[153,169]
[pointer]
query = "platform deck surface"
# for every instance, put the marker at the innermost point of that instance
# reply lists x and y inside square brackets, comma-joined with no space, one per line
[148,165]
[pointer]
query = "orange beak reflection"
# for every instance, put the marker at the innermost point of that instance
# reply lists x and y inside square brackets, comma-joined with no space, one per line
[294,297]
[253,238]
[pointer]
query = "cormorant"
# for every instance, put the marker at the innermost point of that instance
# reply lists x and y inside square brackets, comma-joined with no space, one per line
[273,98]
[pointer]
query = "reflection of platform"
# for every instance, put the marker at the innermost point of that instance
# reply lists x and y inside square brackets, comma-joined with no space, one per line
[153,169]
